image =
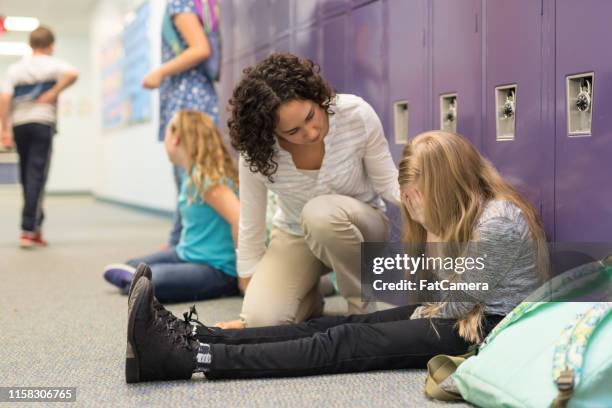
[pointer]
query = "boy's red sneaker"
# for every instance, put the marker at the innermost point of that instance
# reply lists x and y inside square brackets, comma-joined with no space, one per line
[38,239]
[30,240]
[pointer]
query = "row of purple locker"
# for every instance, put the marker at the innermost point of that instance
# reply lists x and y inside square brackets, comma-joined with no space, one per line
[528,81]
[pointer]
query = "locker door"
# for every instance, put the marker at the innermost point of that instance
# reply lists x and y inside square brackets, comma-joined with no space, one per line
[283,44]
[305,11]
[333,62]
[225,88]
[244,29]
[333,7]
[261,20]
[367,58]
[306,43]
[262,52]
[228,14]
[513,81]
[456,63]
[407,72]
[240,64]
[583,186]
[281,16]
[358,3]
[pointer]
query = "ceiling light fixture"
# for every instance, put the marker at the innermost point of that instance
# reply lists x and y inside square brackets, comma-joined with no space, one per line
[12,23]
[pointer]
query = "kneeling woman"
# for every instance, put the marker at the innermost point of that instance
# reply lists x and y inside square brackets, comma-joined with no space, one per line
[450,193]
[326,158]
[203,264]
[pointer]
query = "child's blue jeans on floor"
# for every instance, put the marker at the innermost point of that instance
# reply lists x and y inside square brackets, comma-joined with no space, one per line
[178,281]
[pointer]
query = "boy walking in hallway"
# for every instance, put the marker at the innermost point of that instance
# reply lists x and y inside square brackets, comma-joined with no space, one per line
[29,96]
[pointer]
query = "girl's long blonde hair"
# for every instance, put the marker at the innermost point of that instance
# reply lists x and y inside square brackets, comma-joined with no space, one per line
[209,161]
[456,183]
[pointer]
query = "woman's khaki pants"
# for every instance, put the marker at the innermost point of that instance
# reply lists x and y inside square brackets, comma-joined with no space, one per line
[284,288]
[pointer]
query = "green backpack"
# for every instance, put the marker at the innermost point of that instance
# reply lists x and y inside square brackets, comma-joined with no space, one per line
[542,353]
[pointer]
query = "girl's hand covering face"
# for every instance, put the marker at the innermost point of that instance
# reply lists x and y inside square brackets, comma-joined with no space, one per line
[414,205]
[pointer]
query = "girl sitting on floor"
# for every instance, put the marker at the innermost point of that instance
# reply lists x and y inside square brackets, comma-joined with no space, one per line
[203,264]
[450,194]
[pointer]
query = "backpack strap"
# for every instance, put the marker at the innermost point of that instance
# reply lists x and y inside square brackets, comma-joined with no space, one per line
[568,356]
[439,368]
[208,12]
[170,36]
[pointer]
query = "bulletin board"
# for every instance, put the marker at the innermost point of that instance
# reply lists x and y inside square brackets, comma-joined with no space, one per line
[125,60]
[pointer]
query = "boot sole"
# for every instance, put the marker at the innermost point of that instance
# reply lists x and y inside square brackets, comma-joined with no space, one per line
[132,361]
[141,270]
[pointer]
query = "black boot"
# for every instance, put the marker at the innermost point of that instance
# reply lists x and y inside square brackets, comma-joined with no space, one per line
[185,326]
[144,271]
[155,351]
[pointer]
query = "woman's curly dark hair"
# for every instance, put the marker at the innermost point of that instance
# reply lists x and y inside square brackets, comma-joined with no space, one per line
[263,88]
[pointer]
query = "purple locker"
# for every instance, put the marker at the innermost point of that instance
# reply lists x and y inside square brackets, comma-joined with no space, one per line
[227,28]
[333,60]
[261,19]
[306,43]
[283,44]
[583,190]
[367,57]
[241,63]
[333,7]
[456,62]
[305,12]
[244,29]
[407,77]
[281,13]
[359,3]
[513,58]
[262,52]
[407,67]
[224,90]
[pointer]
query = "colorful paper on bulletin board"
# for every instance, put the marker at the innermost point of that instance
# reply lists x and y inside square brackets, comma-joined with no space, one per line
[125,60]
[136,64]
[112,106]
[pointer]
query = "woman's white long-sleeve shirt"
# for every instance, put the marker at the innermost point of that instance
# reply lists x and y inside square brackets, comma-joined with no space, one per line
[357,163]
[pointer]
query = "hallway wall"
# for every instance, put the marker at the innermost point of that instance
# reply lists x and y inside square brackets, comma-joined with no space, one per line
[131,165]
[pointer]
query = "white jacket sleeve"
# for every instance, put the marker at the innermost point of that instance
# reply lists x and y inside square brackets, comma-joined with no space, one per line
[377,159]
[252,224]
